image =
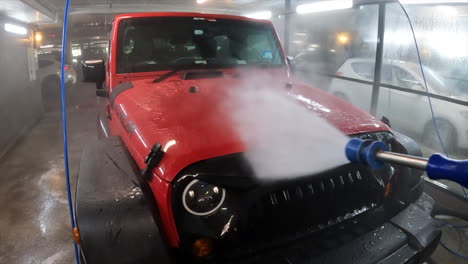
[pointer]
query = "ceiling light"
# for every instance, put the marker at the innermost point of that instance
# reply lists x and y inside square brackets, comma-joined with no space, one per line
[323,6]
[16,29]
[38,36]
[201,1]
[343,38]
[259,15]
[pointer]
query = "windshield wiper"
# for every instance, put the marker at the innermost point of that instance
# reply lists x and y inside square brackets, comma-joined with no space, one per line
[174,71]
[167,75]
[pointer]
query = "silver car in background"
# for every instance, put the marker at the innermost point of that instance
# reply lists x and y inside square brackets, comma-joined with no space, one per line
[49,79]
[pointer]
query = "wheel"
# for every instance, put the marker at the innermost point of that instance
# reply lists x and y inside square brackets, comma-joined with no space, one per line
[447,132]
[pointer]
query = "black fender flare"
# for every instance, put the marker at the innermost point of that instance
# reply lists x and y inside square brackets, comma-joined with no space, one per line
[115,215]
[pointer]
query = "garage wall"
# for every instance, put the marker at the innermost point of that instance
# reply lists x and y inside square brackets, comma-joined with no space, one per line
[20,98]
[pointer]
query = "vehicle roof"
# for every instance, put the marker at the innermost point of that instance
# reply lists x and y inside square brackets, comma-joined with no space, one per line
[189,14]
[411,66]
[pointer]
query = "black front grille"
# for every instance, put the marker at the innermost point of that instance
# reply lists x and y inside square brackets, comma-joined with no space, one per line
[305,249]
[311,205]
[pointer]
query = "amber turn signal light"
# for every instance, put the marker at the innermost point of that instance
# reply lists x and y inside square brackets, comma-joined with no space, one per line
[76,235]
[202,247]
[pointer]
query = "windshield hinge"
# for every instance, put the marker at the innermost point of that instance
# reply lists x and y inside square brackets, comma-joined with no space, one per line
[152,161]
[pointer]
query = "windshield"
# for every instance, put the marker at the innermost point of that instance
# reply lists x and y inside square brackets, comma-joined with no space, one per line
[167,43]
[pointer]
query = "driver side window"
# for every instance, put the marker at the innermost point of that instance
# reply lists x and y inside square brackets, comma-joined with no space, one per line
[258,46]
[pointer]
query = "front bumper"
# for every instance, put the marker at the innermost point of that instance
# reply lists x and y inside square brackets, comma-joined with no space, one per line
[409,237]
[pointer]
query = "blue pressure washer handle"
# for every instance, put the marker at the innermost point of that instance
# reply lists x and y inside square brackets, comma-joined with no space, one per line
[375,153]
[363,151]
[442,168]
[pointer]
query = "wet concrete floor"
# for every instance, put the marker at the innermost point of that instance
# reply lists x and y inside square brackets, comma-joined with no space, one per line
[34,218]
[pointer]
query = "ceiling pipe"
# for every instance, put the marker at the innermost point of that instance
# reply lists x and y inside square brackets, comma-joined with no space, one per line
[120,8]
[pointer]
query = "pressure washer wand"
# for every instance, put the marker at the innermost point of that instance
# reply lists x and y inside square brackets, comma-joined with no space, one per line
[437,167]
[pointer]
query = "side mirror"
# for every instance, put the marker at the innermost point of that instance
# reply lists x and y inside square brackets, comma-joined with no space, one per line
[102,93]
[292,63]
[97,70]
[386,121]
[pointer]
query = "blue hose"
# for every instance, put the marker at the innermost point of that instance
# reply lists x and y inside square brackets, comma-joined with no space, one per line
[434,122]
[449,249]
[64,123]
[452,251]
[454,226]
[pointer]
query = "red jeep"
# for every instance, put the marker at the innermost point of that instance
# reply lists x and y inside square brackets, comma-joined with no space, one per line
[168,180]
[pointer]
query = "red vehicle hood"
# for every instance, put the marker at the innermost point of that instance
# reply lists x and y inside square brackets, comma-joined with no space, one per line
[192,120]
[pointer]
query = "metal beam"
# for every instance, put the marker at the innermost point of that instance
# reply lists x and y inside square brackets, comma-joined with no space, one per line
[52,14]
[287,25]
[121,8]
[379,59]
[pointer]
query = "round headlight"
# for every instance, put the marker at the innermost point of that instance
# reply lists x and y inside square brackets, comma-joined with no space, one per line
[201,198]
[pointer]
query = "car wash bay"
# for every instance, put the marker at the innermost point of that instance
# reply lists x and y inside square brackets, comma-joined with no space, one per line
[341,58]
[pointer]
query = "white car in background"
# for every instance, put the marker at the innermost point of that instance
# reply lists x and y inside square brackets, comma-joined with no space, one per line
[408,113]
[49,71]
[49,78]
